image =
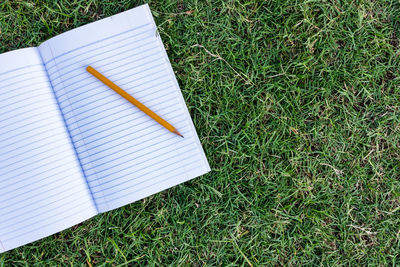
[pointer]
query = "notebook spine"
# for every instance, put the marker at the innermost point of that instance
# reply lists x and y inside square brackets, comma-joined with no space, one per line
[69,133]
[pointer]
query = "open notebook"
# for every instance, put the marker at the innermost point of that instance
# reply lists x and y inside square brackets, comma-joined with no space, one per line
[70,147]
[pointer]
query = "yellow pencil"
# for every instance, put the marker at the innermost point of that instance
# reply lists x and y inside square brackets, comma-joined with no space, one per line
[128,97]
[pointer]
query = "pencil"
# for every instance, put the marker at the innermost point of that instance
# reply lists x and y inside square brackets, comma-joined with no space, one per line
[131,99]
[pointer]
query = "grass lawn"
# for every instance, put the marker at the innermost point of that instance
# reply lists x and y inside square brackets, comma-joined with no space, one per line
[297,106]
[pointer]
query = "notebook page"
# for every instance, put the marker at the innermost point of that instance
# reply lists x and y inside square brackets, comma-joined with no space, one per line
[42,189]
[125,154]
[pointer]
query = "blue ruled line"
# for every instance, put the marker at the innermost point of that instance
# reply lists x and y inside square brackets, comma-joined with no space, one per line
[107,96]
[35,182]
[130,153]
[96,81]
[47,203]
[103,59]
[164,160]
[129,107]
[33,163]
[120,163]
[21,68]
[29,137]
[143,188]
[44,226]
[98,41]
[44,193]
[114,48]
[121,130]
[19,76]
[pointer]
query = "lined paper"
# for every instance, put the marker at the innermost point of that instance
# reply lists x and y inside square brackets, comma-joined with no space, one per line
[42,188]
[125,155]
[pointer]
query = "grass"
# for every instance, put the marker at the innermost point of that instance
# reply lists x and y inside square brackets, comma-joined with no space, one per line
[296,104]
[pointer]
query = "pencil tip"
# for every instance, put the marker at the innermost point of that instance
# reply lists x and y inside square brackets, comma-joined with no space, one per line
[178,133]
